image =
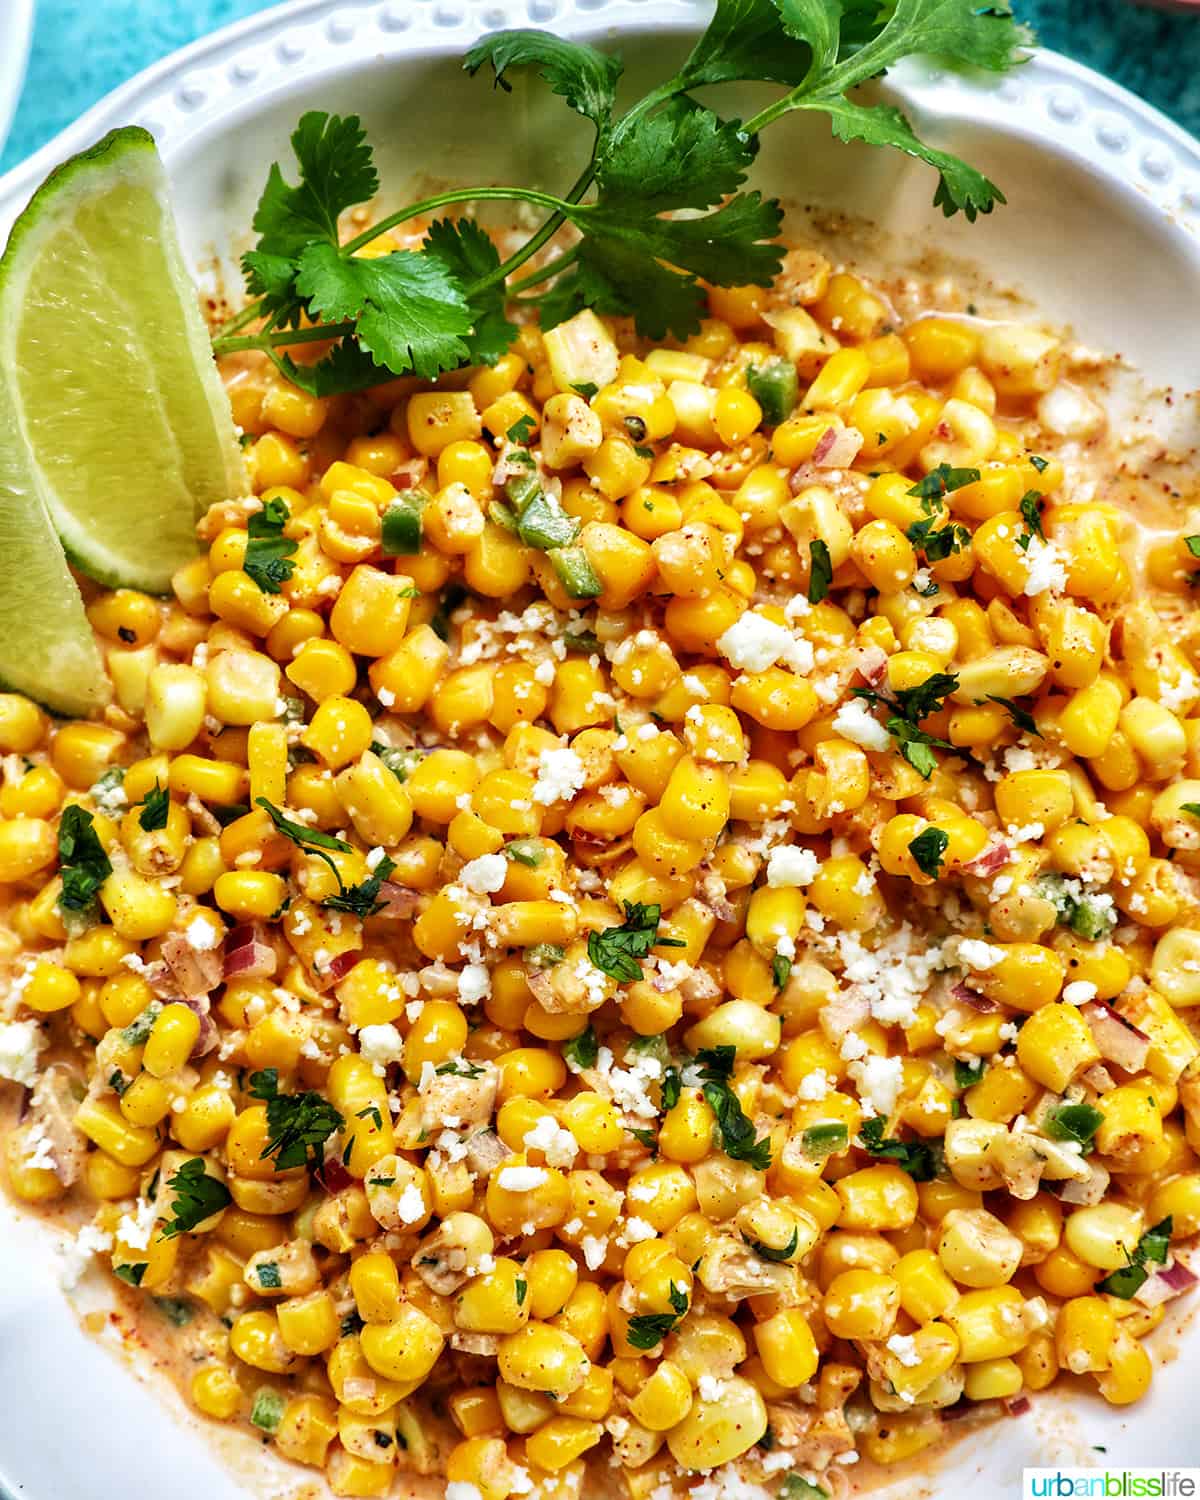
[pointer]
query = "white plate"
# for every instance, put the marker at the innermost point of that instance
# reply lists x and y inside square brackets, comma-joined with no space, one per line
[16,32]
[1102,231]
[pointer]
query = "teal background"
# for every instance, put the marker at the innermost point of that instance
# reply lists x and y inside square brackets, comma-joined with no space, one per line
[84,48]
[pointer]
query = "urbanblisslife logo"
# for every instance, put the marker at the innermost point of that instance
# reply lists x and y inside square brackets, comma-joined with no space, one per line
[1111,1484]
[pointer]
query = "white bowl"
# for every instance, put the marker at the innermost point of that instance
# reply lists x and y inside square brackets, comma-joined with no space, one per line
[1102,231]
[16,32]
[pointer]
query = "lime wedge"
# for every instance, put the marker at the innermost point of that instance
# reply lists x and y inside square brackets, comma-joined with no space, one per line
[108,368]
[47,649]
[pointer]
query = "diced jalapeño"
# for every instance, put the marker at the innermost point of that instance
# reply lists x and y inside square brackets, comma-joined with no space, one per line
[774,386]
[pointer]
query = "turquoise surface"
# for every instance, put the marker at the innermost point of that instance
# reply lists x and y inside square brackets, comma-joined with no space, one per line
[84,48]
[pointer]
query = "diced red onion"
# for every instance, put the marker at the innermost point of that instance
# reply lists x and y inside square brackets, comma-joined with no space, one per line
[397,901]
[991,860]
[1119,1040]
[837,448]
[247,956]
[209,1037]
[195,970]
[974,999]
[332,1176]
[340,966]
[973,1411]
[1019,1407]
[1164,1285]
[871,662]
[1099,1078]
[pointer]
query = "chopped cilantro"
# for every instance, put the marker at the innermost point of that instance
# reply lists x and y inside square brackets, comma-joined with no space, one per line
[298,1125]
[197,1197]
[617,950]
[928,849]
[648,1329]
[738,1138]
[83,864]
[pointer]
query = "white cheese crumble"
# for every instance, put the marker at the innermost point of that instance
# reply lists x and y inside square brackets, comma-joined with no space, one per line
[555,1141]
[521,1179]
[20,1043]
[1079,992]
[815,1085]
[136,1228]
[474,984]
[904,1347]
[380,1045]
[791,865]
[560,775]
[484,875]
[879,1080]
[974,953]
[753,643]
[410,1206]
[1047,569]
[854,721]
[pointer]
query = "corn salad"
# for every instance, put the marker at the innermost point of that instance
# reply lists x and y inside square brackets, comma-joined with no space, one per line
[636,912]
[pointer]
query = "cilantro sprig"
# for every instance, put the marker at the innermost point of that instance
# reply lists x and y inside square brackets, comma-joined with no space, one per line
[443,305]
[268,558]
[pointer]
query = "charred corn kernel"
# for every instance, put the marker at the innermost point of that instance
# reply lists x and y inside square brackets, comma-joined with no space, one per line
[1127,1376]
[1100,1235]
[664,1400]
[174,1033]
[976,1249]
[1084,1334]
[861,1304]
[48,988]
[1055,1045]
[714,1432]
[926,1291]
[250,894]
[404,1350]
[543,1358]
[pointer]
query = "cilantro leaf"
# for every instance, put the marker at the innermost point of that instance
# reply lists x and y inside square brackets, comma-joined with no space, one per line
[268,551]
[410,312]
[738,1138]
[942,481]
[820,574]
[1074,1122]
[584,77]
[362,900]
[685,156]
[842,59]
[909,706]
[197,1197]
[582,1050]
[968,1074]
[346,368]
[672,1085]
[311,840]
[928,849]
[617,950]
[648,1329]
[920,1159]
[1021,717]
[781,969]
[1193,545]
[155,805]
[1031,514]
[746,40]
[766,1252]
[336,172]
[469,256]
[960,187]
[83,864]
[298,1125]
[1152,1246]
